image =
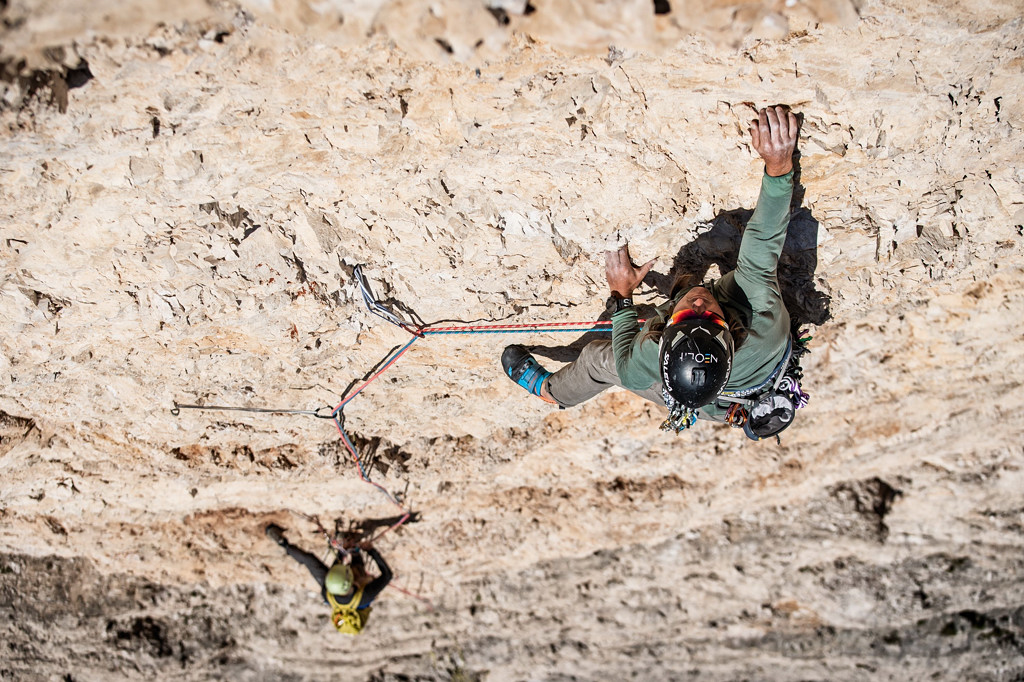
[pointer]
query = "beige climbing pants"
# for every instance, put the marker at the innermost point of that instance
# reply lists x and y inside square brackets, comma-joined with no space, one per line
[592,372]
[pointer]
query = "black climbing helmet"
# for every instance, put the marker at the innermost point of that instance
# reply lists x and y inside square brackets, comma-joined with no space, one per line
[696,358]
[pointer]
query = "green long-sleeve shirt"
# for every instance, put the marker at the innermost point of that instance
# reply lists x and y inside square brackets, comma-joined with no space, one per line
[750,294]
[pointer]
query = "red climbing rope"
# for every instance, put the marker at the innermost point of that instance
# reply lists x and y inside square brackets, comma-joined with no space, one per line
[404,591]
[530,326]
[366,383]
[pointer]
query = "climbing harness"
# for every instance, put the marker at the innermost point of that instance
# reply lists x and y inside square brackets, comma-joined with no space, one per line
[740,395]
[346,618]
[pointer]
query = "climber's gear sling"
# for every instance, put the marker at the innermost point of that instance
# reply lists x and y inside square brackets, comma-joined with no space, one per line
[376,307]
[768,409]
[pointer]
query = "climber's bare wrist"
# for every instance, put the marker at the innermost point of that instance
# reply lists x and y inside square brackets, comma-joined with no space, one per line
[777,170]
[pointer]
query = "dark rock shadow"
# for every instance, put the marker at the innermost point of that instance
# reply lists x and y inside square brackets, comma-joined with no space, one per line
[719,245]
[353,531]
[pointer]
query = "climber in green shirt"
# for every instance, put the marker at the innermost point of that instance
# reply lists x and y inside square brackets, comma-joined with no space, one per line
[707,342]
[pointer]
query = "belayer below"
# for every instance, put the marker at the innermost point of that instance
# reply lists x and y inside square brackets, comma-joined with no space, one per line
[721,350]
[346,588]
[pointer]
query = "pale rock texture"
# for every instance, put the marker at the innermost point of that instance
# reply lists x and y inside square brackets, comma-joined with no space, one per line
[185,189]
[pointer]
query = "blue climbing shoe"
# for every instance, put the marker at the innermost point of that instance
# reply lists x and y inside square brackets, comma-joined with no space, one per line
[521,367]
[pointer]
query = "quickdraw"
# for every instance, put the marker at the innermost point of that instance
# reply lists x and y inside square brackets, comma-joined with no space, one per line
[679,418]
[319,412]
[377,308]
[736,416]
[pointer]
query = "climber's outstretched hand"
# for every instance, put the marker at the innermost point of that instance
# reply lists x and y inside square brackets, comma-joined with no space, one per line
[623,277]
[773,134]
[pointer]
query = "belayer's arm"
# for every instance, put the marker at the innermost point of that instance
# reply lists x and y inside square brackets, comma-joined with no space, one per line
[374,588]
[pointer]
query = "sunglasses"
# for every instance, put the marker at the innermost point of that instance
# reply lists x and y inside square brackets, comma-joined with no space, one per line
[690,314]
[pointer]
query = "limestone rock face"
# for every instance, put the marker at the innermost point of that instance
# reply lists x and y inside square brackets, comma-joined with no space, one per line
[185,189]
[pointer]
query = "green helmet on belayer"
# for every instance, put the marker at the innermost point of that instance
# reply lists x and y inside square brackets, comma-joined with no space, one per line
[339,579]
